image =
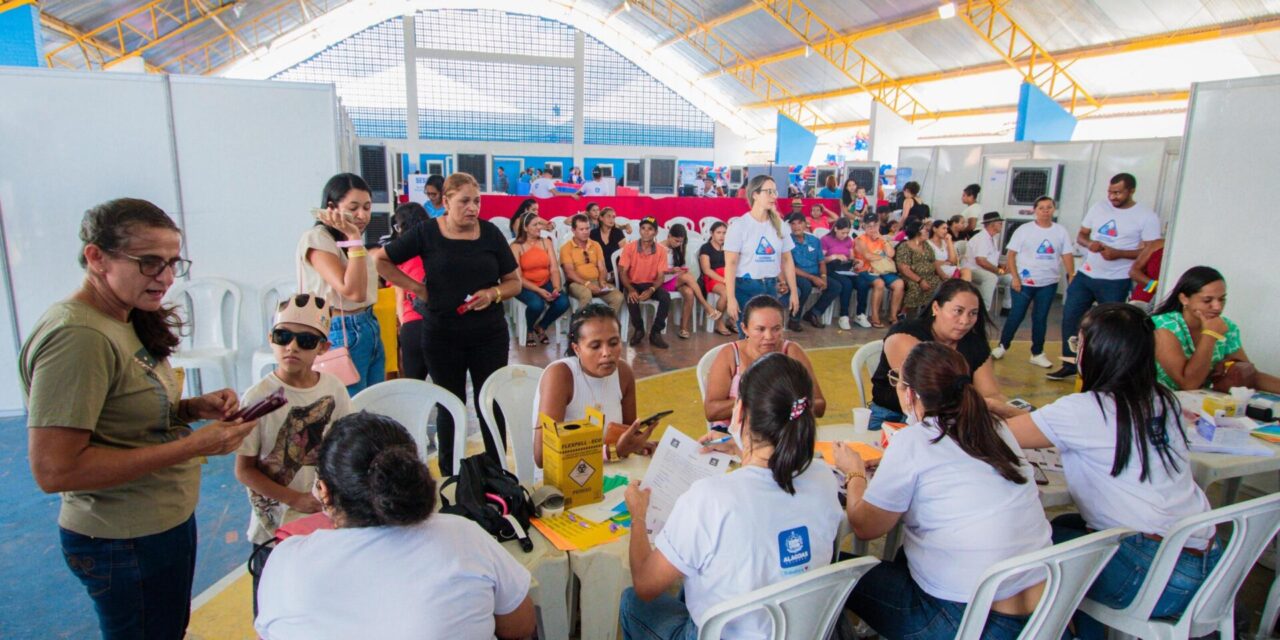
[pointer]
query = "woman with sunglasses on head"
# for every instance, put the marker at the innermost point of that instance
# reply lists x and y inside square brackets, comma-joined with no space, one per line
[333,264]
[542,290]
[413,361]
[1126,460]
[962,487]
[774,518]
[956,319]
[757,252]
[470,271]
[392,567]
[108,431]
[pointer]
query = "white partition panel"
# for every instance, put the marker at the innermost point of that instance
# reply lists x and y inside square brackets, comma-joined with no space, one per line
[958,167]
[1229,144]
[253,157]
[68,141]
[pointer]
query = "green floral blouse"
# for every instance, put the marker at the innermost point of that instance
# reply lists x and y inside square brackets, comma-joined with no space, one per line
[1175,324]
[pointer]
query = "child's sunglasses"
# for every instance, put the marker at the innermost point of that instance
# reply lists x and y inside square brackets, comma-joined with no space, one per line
[306,341]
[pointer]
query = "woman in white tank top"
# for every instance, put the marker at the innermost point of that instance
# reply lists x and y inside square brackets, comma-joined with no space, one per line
[593,375]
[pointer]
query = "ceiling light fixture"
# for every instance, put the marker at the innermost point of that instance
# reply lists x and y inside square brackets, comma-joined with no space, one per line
[947,10]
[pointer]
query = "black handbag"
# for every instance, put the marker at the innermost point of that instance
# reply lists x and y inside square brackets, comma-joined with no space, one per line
[492,497]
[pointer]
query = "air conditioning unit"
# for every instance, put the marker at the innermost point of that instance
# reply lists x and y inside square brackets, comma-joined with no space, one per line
[735,176]
[866,174]
[1030,180]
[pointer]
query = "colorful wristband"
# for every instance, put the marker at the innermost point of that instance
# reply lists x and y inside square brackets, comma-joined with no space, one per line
[347,244]
[1213,334]
[357,253]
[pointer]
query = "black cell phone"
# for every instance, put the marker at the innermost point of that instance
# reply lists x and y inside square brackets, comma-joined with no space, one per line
[653,419]
[1040,477]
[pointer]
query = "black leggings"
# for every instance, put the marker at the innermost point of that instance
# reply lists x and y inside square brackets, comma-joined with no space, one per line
[413,357]
[450,356]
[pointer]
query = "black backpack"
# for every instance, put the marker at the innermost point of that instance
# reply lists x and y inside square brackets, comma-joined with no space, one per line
[492,497]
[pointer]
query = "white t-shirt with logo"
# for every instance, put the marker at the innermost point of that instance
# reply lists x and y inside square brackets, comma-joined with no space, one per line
[593,188]
[735,533]
[286,443]
[1039,252]
[543,188]
[444,578]
[981,245]
[1121,229]
[960,515]
[1086,437]
[759,247]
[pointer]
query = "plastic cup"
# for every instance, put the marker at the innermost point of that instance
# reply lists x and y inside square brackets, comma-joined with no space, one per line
[861,419]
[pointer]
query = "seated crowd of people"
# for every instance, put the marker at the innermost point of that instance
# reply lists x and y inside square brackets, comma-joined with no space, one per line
[956,477]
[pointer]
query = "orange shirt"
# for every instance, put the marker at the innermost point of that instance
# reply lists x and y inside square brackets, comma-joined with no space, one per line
[643,268]
[535,264]
[870,250]
[584,261]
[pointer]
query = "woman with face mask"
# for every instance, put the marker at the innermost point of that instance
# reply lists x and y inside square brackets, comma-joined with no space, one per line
[773,518]
[542,291]
[955,319]
[960,484]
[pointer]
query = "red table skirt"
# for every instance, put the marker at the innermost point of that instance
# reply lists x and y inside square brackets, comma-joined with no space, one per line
[636,207]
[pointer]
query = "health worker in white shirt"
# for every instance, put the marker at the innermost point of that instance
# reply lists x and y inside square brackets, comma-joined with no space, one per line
[962,487]
[774,518]
[1126,462]
[757,252]
[545,187]
[1034,254]
[1113,233]
[391,568]
[982,259]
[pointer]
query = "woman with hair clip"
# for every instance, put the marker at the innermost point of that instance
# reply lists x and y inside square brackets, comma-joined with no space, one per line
[390,568]
[542,290]
[957,479]
[956,319]
[333,264]
[108,431]
[592,374]
[1126,461]
[679,279]
[413,360]
[762,322]
[470,271]
[773,518]
[757,252]
[1197,346]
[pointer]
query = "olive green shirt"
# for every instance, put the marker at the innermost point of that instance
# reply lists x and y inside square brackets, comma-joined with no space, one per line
[85,370]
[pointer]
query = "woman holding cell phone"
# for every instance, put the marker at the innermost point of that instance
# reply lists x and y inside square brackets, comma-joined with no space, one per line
[470,270]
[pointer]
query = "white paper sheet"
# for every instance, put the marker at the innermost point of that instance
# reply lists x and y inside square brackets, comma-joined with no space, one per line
[1225,435]
[676,466]
[603,510]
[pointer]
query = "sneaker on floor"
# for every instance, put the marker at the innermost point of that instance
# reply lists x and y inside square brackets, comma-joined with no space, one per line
[637,336]
[998,352]
[862,321]
[843,323]
[1067,372]
[794,324]
[656,340]
[815,321]
[1040,361]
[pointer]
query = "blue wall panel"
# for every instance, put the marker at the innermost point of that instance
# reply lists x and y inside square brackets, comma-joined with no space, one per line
[21,43]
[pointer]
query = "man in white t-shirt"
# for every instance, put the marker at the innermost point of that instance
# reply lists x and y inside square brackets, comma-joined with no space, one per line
[1114,233]
[544,187]
[1035,253]
[594,187]
[983,258]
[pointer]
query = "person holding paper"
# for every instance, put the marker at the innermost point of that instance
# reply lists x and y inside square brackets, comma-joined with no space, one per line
[762,320]
[592,374]
[960,484]
[731,534]
[1126,461]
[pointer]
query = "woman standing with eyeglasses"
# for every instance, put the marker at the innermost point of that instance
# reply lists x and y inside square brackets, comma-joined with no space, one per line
[108,431]
[757,251]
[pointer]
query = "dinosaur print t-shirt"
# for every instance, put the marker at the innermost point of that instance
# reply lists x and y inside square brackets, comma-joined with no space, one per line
[286,443]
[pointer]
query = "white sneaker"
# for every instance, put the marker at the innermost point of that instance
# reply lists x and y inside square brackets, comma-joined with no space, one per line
[998,352]
[843,323]
[862,321]
[1040,361]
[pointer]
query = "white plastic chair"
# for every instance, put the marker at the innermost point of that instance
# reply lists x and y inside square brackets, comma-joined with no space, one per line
[513,388]
[504,225]
[1254,524]
[688,224]
[804,607]
[410,402]
[866,358]
[1070,568]
[264,361]
[703,372]
[212,340]
[704,225]
[819,233]
[515,313]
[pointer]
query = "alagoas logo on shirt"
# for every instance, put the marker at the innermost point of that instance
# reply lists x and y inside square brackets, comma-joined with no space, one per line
[1109,229]
[764,248]
[1045,247]
[793,549]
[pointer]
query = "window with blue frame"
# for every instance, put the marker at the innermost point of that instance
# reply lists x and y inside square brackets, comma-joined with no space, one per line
[624,105]
[473,100]
[368,72]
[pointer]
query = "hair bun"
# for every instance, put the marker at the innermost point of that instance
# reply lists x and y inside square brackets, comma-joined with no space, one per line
[399,486]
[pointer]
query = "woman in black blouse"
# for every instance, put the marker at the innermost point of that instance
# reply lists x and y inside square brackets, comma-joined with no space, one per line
[470,270]
[610,237]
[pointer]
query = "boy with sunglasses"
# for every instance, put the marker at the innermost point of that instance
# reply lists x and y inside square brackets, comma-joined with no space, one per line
[277,461]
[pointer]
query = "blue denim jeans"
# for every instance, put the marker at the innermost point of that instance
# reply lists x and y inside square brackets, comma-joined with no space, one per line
[888,600]
[744,289]
[1042,299]
[367,351]
[141,587]
[1119,581]
[841,287]
[881,415]
[663,618]
[1081,294]
[805,288]
[864,283]
[539,312]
